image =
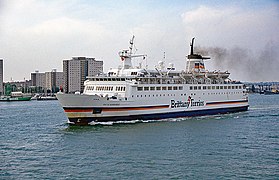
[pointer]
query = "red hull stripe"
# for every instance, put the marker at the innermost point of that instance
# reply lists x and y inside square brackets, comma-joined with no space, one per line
[79,110]
[105,109]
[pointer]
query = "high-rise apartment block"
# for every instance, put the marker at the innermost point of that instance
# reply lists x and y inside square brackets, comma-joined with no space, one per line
[38,79]
[54,81]
[49,81]
[1,77]
[77,69]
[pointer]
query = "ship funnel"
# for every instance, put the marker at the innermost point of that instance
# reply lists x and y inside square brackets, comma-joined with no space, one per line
[195,56]
[192,46]
[195,62]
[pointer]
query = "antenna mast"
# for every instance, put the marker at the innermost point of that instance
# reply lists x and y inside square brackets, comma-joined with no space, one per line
[131,44]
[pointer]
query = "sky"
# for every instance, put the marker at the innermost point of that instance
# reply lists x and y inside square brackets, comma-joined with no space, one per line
[240,36]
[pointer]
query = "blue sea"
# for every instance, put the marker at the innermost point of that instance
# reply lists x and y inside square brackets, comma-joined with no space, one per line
[37,143]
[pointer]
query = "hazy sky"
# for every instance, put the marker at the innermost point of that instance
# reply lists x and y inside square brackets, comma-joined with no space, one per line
[39,34]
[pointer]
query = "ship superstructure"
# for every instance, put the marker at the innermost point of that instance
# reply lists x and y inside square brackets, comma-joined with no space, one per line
[129,93]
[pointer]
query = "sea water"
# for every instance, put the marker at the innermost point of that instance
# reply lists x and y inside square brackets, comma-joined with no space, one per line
[36,143]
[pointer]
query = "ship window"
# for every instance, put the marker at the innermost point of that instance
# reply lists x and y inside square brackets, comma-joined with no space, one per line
[204,87]
[221,87]
[209,87]
[199,87]
[195,88]
[217,87]
[240,87]
[97,111]
[232,87]
[191,87]
[146,88]
[229,87]
[164,88]
[180,87]
[175,88]
[158,88]
[152,88]
[170,88]
[225,87]
[122,79]
[124,88]
[139,88]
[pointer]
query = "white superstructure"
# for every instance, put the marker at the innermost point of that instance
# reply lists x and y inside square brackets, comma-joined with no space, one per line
[129,93]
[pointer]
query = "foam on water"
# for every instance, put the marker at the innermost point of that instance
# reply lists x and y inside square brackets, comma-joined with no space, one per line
[110,123]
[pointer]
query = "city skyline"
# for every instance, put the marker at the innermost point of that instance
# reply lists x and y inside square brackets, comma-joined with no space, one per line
[39,35]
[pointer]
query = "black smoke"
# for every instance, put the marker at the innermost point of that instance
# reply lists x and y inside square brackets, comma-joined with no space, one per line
[245,64]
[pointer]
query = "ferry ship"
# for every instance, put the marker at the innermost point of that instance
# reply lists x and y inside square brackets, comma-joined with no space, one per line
[135,93]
